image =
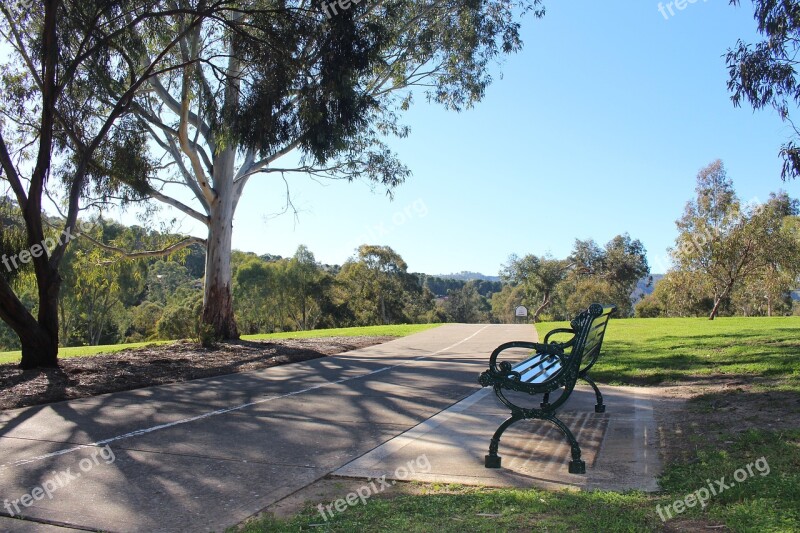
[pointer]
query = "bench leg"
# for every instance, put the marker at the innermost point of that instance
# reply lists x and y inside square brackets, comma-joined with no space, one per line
[600,407]
[493,460]
[577,465]
[545,401]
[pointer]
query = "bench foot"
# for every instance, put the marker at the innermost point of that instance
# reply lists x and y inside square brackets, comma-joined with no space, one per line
[599,408]
[577,466]
[492,461]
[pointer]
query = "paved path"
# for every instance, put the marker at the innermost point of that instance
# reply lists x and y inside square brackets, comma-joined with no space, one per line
[204,455]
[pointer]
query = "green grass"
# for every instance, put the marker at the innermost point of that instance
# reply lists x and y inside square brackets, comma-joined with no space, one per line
[81,351]
[460,509]
[400,330]
[377,331]
[652,351]
[764,501]
[759,503]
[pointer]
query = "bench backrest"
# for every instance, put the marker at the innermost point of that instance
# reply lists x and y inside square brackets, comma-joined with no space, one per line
[590,329]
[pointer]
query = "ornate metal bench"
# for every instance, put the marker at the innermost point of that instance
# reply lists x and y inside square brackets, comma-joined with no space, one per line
[549,369]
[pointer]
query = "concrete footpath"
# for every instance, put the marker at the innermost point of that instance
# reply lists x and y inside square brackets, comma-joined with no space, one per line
[206,454]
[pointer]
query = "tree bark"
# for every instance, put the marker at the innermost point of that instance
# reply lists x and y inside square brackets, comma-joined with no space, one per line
[39,339]
[718,300]
[49,287]
[38,349]
[542,307]
[715,309]
[218,297]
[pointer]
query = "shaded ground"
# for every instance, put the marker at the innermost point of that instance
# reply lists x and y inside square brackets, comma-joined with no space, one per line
[79,377]
[714,414]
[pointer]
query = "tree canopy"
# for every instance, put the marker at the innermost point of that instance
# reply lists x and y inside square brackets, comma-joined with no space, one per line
[765,73]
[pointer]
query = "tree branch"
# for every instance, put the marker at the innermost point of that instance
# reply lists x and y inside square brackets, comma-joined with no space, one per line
[180,206]
[178,246]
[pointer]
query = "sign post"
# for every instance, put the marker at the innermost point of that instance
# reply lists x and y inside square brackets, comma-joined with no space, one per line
[521,312]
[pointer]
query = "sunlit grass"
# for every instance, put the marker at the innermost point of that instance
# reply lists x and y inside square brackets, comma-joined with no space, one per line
[81,351]
[400,330]
[652,351]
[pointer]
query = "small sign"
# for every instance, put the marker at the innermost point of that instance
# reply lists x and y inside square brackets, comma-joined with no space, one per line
[521,311]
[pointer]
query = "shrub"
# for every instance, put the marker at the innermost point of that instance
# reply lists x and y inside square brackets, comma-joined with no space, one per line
[177,323]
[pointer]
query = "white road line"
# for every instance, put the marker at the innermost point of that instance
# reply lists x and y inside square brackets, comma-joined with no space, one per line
[187,420]
[145,431]
[462,341]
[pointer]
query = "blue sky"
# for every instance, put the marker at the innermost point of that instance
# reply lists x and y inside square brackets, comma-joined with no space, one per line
[597,127]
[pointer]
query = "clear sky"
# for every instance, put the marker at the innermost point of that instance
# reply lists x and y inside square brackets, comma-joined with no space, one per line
[597,127]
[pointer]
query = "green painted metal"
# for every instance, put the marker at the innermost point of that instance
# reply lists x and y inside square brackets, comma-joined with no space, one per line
[560,370]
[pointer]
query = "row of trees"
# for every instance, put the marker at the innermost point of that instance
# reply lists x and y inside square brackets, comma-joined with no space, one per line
[107,300]
[559,288]
[730,257]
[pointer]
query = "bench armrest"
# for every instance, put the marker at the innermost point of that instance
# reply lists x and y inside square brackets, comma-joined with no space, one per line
[503,370]
[557,331]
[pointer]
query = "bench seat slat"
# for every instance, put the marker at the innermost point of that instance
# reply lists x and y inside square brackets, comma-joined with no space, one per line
[544,373]
[538,368]
[527,363]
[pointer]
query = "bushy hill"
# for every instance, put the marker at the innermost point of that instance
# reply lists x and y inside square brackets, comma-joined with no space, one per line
[646,286]
[467,276]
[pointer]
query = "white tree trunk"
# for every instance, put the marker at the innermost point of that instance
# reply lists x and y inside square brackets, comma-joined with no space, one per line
[218,297]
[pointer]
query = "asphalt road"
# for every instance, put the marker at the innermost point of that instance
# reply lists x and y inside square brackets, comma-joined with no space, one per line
[205,455]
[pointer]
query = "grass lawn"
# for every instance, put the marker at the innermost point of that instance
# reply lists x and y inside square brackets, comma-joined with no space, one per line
[636,352]
[400,330]
[371,331]
[652,351]
[81,351]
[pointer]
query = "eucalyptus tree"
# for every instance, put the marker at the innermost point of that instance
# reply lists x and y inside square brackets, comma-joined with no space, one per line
[625,261]
[283,89]
[726,243]
[62,138]
[306,282]
[765,73]
[376,285]
[538,276]
[607,274]
[466,305]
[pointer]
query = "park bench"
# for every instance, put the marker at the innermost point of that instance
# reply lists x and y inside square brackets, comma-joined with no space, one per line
[550,368]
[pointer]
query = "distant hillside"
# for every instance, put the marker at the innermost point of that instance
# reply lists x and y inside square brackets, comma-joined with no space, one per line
[643,288]
[467,276]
